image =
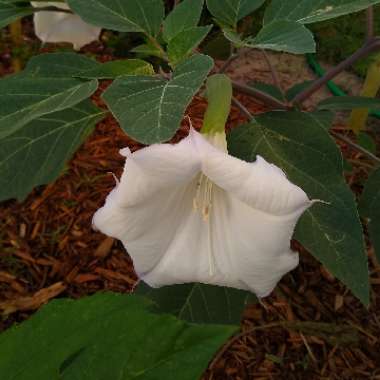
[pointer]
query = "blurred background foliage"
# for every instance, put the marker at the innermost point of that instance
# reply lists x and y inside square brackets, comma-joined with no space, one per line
[336,39]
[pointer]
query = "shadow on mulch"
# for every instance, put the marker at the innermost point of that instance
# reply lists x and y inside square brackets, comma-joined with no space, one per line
[310,327]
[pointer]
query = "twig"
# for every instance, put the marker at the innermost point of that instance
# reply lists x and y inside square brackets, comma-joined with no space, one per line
[356,146]
[259,95]
[242,109]
[15,29]
[275,77]
[238,336]
[227,63]
[288,325]
[370,23]
[368,48]
[309,350]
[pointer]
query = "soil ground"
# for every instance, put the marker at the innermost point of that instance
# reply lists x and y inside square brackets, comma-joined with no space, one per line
[48,249]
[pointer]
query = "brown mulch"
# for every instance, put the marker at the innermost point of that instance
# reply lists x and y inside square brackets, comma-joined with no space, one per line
[311,327]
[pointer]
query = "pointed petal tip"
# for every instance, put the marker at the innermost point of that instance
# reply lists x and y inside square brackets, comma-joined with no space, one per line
[125,152]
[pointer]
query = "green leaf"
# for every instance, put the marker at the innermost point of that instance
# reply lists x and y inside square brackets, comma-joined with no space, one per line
[367,142]
[36,154]
[269,89]
[23,98]
[107,336]
[124,16]
[229,12]
[300,145]
[297,88]
[147,50]
[150,109]
[282,35]
[348,102]
[234,37]
[369,207]
[114,69]
[323,118]
[58,65]
[184,16]
[199,303]
[11,11]
[183,44]
[307,11]
[217,46]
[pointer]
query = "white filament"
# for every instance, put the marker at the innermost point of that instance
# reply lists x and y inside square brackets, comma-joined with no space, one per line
[202,202]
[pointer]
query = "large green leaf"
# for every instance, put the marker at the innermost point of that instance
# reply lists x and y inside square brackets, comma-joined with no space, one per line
[11,11]
[299,144]
[36,154]
[58,65]
[107,336]
[44,86]
[199,303]
[124,16]
[55,65]
[150,109]
[369,207]
[23,98]
[184,16]
[229,12]
[114,69]
[348,103]
[288,36]
[183,44]
[309,11]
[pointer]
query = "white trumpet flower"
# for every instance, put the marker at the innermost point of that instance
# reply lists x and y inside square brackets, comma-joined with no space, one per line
[190,212]
[58,26]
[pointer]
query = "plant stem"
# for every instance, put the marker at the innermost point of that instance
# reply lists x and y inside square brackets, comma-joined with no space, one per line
[356,146]
[227,63]
[275,76]
[242,109]
[368,48]
[370,23]
[15,30]
[259,95]
[157,45]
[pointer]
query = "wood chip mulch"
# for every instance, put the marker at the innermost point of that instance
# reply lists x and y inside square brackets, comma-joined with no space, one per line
[311,327]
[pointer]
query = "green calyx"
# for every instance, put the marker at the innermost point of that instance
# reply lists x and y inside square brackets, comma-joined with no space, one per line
[219,96]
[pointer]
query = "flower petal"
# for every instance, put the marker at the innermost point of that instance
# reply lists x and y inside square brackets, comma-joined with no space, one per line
[146,209]
[260,185]
[237,247]
[251,244]
[53,26]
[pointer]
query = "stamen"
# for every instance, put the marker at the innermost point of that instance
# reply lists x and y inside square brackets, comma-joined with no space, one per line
[203,202]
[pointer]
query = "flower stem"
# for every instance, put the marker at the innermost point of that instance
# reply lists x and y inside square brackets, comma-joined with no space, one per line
[219,95]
